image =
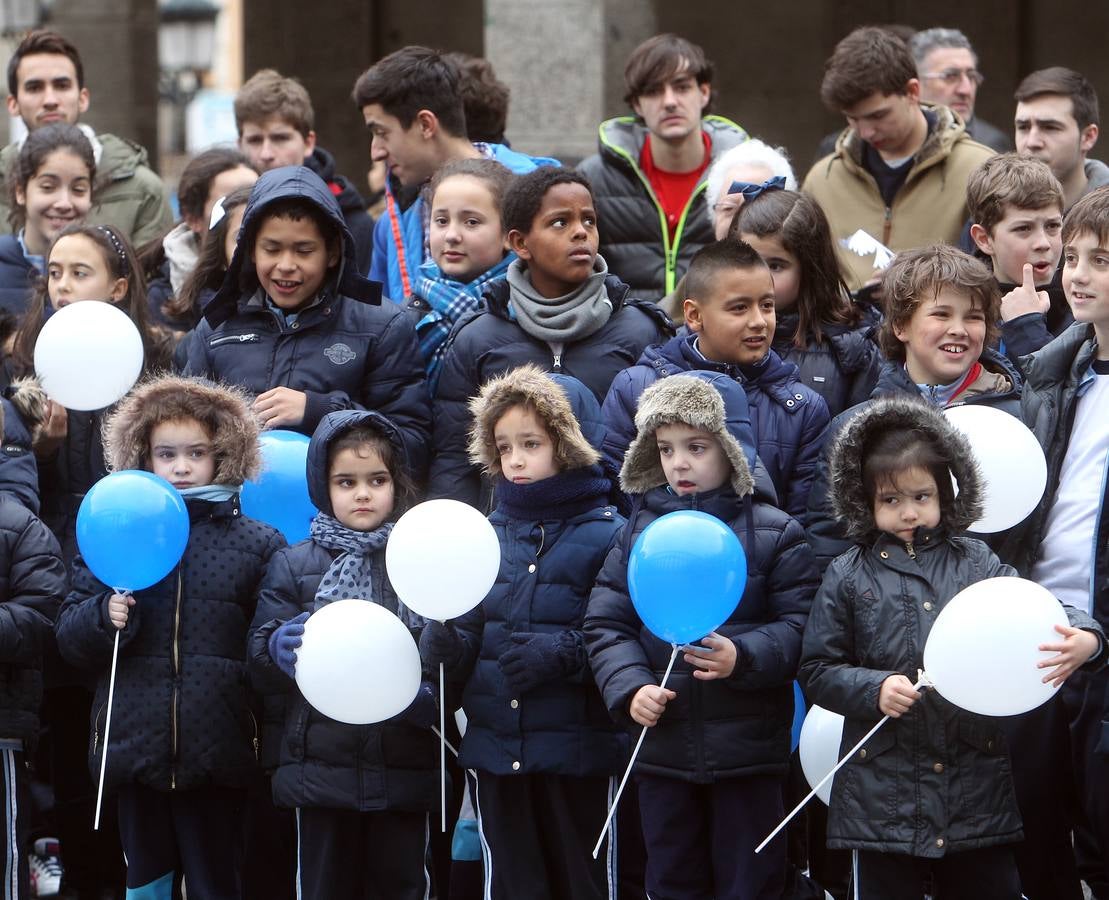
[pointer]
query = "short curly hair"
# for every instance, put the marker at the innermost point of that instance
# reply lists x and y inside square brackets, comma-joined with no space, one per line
[525,195]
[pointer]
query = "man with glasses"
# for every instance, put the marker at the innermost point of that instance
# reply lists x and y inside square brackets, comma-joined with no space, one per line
[947,67]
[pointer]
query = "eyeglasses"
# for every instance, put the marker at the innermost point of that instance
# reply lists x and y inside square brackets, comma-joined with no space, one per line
[954,76]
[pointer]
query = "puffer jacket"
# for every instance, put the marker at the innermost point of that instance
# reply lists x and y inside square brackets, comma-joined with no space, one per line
[843,368]
[68,473]
[359,221]
[635,237]
[17,277]
[321,762]
[344,351]
[713,729]
[489,342]
[998,386]
[549,561]
[929,208]
[18,470]
[1054,378]
[789,420]
[182,714]
[937,780]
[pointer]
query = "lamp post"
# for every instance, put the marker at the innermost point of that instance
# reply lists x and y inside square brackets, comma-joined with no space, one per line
[186,42]
[17,16]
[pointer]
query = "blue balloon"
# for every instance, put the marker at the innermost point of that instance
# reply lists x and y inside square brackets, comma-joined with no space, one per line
[132,528]
[279,496]
[686,575]
[798,717]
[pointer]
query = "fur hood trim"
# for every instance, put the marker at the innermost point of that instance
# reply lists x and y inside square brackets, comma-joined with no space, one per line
[30,401]
[689,400]
[849,502]
[531,386]
[225,411]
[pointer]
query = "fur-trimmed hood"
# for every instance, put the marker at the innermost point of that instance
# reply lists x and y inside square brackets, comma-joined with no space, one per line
[224,410]
[709,401]
[901,413]
[563,404]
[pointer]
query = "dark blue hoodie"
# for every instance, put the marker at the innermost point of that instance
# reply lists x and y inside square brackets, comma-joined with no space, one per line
[344,350]
[17,277]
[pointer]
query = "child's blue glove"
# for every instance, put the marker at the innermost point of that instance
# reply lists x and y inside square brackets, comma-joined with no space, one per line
[536,658]
[440,644]
[284,642]
[423,712]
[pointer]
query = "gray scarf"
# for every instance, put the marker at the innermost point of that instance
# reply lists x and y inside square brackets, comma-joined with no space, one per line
[559,320]
[352,573]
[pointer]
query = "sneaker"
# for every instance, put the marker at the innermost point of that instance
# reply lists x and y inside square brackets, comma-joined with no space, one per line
[46,868]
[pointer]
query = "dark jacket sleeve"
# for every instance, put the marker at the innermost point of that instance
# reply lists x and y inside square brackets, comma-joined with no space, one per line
[452,473]
[278,601]
[825,533]
[471,630]
[814,433]
[84,632]
[769,655]
[618,414]
[1025,334]
[619,662]
[36,581]
[830,675]
[191,355]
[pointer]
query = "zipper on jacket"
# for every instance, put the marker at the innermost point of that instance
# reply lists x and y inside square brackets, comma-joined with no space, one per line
[909,549]
[557,361]
[176,678]
[887,226]
[96,729]
[672,252]
[254,740]
[235,339]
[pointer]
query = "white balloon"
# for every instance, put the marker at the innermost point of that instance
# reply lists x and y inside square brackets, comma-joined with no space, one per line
[1014,471]
[821,733]
[442,557]
[982,651]
[358,663]
[88,355]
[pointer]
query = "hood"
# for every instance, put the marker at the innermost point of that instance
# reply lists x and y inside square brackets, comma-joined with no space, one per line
[22,409]
[333,426]
[901,413]
[118,158]
[11,254]
[516,162]
[622,138]
[225,411]
[1097,175]
[323,164]
[564,405]
[281,184]
[706,400]
[999,378]
[948,129]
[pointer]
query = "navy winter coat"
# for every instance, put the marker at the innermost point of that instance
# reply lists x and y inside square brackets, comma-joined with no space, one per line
[320,762]
[345,351]
[788,419]
[488,342]
[843,368]
[17,277]
[182,715]
[730,727]
[18,471]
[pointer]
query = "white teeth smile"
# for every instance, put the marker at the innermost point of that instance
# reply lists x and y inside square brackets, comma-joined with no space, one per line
[953,348]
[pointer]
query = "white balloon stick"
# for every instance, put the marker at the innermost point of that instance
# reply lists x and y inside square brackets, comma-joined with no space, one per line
[631,762]
[823,781]
[442,751]
[107,727]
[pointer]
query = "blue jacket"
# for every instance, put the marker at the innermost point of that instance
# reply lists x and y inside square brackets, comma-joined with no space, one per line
[345,351]
[182,714]
[548,565]
[388,257]
[488,342]
[323,763]
[789,420]
[18,470]
[998,386]
[17,277]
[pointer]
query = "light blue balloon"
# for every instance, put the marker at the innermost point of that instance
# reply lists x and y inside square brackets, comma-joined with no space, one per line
[132,529]
[279,495]
[686,575]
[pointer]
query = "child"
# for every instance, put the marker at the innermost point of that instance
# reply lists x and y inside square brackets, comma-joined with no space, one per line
[710,772]
[216,251]
[297,326]
[362,793]
[729,313]
[941,318]
[32,583]
[930,793]
[184,741]
[468,251]
[1062,546]
[1016,205]
[558,308]
[168,261]
[538,735]
[49,187]
[817,326]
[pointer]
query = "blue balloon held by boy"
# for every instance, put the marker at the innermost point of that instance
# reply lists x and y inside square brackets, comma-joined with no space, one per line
[279,496]
[686,575]
[132,528]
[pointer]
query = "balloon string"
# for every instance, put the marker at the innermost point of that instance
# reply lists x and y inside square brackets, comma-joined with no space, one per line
[443,750]
[923,680]
[631,762]
[107,728]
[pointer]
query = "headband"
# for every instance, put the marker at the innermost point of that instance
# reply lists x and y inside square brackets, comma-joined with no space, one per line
[117,245]
[750,190]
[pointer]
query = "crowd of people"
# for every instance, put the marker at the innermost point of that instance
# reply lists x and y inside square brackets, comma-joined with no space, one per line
[678,323]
